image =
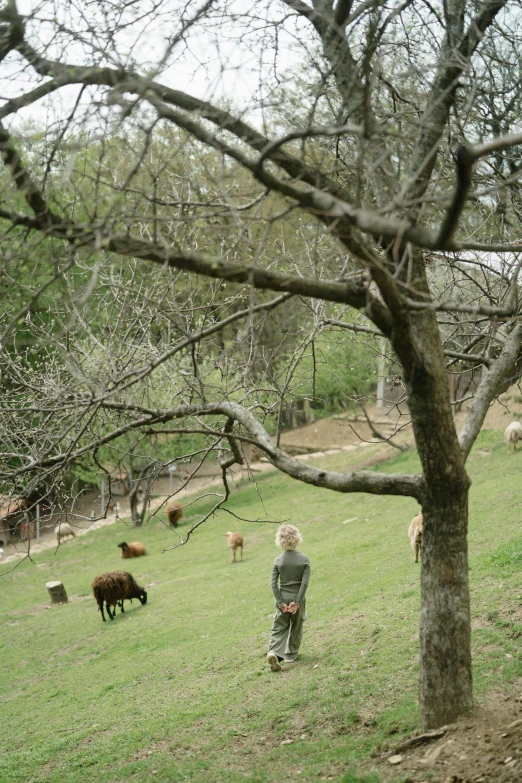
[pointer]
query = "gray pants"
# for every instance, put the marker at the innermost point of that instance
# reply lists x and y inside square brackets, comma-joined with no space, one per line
[287,631]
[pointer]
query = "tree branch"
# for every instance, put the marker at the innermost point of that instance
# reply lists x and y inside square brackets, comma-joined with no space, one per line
[488,389]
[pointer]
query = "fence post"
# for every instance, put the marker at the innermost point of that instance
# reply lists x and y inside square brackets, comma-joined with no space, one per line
[381,374]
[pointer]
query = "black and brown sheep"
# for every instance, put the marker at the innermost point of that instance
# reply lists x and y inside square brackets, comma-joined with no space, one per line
[115,587]
[136,549]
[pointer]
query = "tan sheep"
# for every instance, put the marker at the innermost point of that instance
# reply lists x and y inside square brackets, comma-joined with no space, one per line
[136,549]
[513,434]
[174,512]
[235,541]
[415,534]
[64,531]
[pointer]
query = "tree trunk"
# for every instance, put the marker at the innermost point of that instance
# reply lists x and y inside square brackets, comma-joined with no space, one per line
[57,592]
[445,627]
[445,630]
[135,516]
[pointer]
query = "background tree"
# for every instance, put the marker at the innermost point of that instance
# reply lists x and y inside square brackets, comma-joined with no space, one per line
[378,176]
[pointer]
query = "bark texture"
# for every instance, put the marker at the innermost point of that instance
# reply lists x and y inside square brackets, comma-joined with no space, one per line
[445,632]
[445,687]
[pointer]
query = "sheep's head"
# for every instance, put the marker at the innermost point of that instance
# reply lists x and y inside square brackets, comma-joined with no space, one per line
[123,545]
[143,597]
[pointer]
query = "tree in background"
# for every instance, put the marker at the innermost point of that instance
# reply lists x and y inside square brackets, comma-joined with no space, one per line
[373,187]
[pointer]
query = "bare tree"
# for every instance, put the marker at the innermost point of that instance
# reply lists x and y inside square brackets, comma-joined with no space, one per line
[375,185]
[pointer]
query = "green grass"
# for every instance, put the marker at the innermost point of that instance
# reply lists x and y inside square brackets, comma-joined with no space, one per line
[179,690]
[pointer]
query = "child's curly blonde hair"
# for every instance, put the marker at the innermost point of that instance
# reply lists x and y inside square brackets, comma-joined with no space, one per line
[288,537]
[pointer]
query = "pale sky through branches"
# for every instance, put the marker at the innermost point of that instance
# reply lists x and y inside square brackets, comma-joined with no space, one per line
[217,60]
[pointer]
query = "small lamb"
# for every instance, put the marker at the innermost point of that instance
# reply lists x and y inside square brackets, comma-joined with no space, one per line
[235,541]
[64,531]
[415,534]
[513,434]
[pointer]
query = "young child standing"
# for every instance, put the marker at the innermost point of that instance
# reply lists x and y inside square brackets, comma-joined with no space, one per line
[290,577]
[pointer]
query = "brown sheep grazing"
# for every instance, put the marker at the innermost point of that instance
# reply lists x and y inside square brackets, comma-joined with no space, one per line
[415,534]
[174,512]
[132,550]
[235,541]
[115,587]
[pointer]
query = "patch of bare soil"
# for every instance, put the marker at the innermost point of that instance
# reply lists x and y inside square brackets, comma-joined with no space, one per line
[350,429]
[485,748]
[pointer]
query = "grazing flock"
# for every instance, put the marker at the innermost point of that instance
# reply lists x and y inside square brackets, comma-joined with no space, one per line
[115,587]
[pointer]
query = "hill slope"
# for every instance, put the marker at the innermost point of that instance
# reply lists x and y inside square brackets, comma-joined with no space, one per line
[179,689]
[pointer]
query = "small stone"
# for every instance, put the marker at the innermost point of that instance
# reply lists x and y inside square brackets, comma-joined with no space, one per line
[508,655]
[316,666]
[303,736]
[287,742]
[395,759]
[509,758]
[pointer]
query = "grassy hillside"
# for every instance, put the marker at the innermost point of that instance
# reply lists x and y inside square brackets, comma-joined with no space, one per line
[179,689]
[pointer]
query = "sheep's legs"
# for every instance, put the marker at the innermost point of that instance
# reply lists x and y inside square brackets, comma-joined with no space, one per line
[120,604]
[112,616]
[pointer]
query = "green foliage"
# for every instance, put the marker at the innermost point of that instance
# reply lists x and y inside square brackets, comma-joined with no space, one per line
[346,369]
[351,777]
[508,556]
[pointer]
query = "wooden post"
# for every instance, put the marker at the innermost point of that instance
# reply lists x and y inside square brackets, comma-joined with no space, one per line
[38,522]
[57,592]
[381,374]
[172,469]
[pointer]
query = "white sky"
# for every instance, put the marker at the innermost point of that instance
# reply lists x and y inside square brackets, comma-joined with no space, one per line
[223,62]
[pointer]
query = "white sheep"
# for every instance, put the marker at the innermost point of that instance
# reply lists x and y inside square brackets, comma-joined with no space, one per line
[415,533]
[64,531]
[513,434]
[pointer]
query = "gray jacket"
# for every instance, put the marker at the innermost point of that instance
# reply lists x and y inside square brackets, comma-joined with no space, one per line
[291,570]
